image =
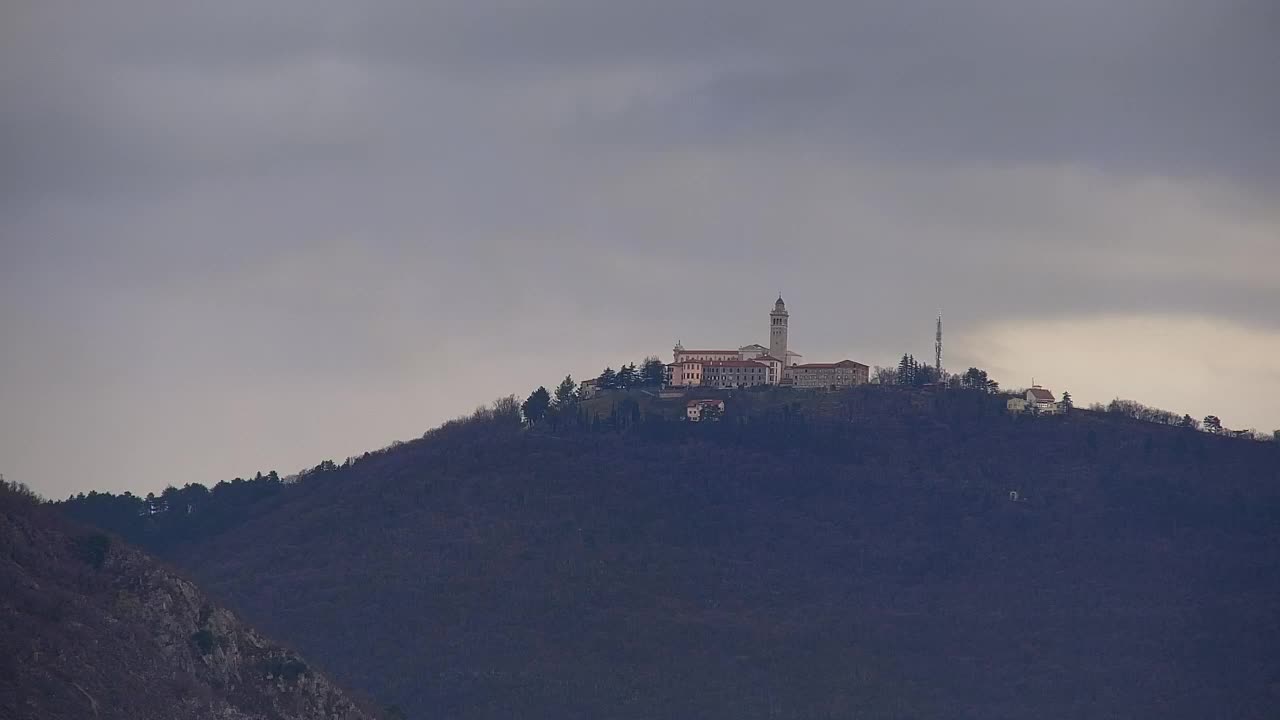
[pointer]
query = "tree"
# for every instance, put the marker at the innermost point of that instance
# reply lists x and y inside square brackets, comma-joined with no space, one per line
[923,375]
[1067,404]
[504,410]
[566,394]
[608,379]
[1276,436]
[628,376]
[883,375]
[1212,424]
[1189,422]
[653,372]
[535,408]
[906,366]
[976,379]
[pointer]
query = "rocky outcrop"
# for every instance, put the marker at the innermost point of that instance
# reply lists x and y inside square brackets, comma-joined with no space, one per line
[91,628]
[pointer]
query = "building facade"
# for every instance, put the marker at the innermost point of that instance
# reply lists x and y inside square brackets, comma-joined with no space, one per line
[755,364]
[845,373]
[685,373]
[682,355]
[734,373]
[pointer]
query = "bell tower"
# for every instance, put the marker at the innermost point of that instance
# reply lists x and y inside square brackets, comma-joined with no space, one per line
[778,331]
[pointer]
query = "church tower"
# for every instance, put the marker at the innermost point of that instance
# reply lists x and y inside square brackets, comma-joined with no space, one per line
[778,331]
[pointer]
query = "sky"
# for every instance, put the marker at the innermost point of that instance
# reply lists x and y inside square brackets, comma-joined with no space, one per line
[256,234]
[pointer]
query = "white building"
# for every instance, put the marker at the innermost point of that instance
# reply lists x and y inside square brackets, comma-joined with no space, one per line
[696,410]
[1041,400]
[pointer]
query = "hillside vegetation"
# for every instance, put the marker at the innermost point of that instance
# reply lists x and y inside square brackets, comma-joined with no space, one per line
[93,629]
[854,554]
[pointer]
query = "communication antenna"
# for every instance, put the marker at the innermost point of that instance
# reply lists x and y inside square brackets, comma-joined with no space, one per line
[937,347]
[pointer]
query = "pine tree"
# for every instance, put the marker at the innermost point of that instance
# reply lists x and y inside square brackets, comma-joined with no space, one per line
[566,393]
[628,376]
[653,372]
[904,370]
[608,379]
[535,408]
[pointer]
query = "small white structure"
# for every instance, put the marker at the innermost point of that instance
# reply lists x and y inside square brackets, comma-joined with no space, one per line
[696,410]
[587,389]
[1016,405]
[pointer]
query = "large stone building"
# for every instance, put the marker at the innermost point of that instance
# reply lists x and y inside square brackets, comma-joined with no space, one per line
[734,373]
[756,364]
[845,373]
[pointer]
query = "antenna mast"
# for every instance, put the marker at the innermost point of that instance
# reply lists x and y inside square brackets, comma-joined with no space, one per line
[937,348]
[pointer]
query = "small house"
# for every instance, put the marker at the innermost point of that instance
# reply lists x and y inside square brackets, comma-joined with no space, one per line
[1041,400]
[698,410]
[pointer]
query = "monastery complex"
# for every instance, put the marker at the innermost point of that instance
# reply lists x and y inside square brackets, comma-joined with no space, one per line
[756,364]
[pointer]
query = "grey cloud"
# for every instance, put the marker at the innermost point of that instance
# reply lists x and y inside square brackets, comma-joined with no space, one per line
[244,233]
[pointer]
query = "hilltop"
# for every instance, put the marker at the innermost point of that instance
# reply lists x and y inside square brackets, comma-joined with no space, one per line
[94,629]
[851,554]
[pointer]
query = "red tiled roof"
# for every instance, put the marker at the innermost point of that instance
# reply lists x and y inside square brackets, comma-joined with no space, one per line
[1041,394]
[734,363]
[766,357]
[829,366]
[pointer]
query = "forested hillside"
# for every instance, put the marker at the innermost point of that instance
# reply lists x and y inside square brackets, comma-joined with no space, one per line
[858,554]
[93,629]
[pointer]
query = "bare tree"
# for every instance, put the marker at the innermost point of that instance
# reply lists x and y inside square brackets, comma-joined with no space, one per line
[883,375]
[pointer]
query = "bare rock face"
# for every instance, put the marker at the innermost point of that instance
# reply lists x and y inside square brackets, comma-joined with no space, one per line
[90,628]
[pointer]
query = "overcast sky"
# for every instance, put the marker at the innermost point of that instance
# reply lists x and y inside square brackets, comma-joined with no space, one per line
[254,234]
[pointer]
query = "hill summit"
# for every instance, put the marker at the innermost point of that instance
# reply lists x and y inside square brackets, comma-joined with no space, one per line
[880,552]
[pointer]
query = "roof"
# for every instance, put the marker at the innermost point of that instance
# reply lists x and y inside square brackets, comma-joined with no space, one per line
[758,358]
[734,363]
[709,352]
[1040,393]
[704,401]
[828,366]
[753,346]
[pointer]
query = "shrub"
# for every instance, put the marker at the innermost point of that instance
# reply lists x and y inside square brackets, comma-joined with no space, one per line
[93,549]
[288,668]
[204,640]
